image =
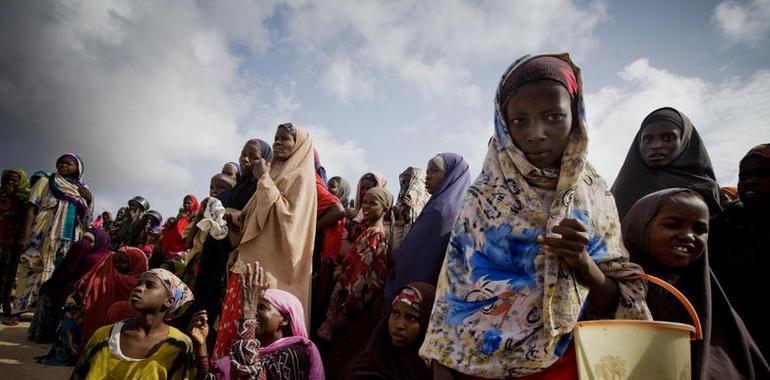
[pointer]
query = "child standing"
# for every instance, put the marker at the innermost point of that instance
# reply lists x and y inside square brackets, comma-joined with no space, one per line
[536,242]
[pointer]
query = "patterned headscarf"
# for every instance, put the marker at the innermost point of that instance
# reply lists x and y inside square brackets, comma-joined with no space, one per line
[177,289]
[81,167]
[22,192]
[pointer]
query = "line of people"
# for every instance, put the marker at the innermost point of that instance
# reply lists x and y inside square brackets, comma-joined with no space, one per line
[278,274]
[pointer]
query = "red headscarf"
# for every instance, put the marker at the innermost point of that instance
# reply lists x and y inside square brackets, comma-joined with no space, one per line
[173,240]
[104,286]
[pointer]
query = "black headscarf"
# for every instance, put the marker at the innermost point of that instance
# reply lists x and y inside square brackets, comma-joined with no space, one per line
[727,350]
[691,168]
[380,360]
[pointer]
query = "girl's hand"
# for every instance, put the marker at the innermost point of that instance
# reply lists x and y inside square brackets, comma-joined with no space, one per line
[572,245]
[261,167]
[199,328]
[253,286]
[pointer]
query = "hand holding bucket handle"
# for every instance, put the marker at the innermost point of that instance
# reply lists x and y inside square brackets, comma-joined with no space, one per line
[685,302]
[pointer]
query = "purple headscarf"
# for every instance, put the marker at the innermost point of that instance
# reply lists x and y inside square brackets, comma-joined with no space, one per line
[421,253]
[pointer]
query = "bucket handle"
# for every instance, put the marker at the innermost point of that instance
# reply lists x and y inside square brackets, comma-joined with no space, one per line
[685,302]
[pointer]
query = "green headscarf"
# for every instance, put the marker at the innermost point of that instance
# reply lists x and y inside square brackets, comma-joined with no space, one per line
[22,192]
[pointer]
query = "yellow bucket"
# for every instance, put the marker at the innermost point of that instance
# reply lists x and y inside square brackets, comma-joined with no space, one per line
[631,349]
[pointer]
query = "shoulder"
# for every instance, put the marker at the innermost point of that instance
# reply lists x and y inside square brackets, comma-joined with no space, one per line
[102,332]
[175,334]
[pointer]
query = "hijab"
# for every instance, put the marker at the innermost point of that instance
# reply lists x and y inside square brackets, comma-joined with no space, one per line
[691,168]
[421,253]
[173,242]
[380,359]
[178,290]
[22,192]
[104,285]
[379,181]
[534,296]
[412,199]
[727,350]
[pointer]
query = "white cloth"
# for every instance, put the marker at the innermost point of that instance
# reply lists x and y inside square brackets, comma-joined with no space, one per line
[213,220]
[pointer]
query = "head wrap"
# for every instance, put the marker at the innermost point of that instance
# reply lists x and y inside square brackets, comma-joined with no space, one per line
[538,68]
[22,191]
[237,167]
[264,150]
[379,181]
[761,150]
[176,289]
[438,161]
[383,196]
[78,176]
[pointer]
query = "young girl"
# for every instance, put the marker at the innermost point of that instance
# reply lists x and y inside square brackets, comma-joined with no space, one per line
[536,242]
[278,225]
[666,152]
[667,233]
[353,312]
[14,193]
[391,353]
[144,347]
[272,341]
[422,251]
[59,211]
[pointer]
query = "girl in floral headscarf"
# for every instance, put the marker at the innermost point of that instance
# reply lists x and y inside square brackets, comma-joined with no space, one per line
[536,244]
[60,207]
[13,195]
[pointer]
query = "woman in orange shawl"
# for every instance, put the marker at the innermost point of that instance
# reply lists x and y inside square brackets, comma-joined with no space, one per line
[278,226]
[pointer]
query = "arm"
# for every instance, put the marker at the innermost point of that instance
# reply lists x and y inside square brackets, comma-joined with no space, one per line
[26,227]
[330,216]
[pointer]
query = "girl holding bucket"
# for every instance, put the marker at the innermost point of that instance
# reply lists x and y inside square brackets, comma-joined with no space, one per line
[667,232]
[536,245]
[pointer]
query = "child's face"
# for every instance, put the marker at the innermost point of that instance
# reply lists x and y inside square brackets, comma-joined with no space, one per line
[249,155]
[283,145]
[10,182]
[372,208]
[230,170]
[67,167]
[433,177]
[679,232]
[149,294]
[539,118]
[659,143]
[403,325]
[120,262]
[269,318]
[754,182]
[217,187]
[333,187]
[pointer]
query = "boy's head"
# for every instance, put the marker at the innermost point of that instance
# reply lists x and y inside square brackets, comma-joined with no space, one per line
[219,184]
[754,178]
[538,104]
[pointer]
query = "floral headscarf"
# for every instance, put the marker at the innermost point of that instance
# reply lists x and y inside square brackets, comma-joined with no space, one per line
[177,289]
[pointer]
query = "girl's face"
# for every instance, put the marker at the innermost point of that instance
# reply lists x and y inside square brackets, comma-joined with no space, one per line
[372,208]
[230,170]
[433,177]
[120,262]
[333,187]
[217,187]
[149,294]
[10,182]
[187,204]
[539,118]
[754,182]
[403,325]
[270,319]
[249,155]
[283,145]
[659,143]
[67,167]
[679,232]
[366,184]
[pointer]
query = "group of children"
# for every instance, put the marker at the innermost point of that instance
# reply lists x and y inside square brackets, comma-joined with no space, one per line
[278,274]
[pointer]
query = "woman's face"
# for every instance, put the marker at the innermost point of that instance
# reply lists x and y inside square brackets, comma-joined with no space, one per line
[679,232]
[230,170]
[403,325]
[659,143]
[539,118]
[433,177]
[149,294]
[283,145]
[270,319]
[67,167]
[11,182]
[249,155]
[754,182]
[121,263]
[372,208]
[187,204]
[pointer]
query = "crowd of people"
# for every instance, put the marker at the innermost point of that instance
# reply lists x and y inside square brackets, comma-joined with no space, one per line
[283,273]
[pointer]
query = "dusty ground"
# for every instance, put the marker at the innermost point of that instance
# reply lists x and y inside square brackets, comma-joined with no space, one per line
[17,356]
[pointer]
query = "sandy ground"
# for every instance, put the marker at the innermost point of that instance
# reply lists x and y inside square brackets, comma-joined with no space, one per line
[17,356]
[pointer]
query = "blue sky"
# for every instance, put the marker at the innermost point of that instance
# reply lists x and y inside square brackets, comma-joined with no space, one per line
[156,96]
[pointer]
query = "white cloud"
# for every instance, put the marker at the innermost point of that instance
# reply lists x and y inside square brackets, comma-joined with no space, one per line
[731,116]
[347,83]
[744,22]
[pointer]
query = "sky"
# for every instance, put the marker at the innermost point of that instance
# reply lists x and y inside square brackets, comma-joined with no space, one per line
[156,96]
